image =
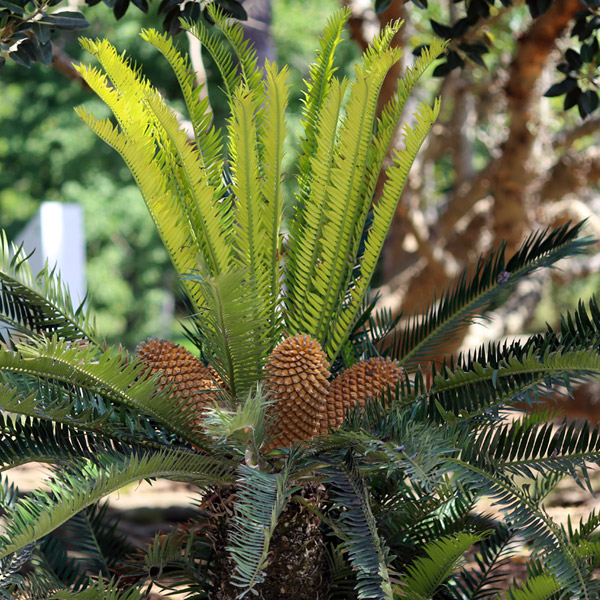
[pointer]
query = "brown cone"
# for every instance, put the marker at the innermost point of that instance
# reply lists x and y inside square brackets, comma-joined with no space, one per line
[363,380]
[188,377]
[296,375]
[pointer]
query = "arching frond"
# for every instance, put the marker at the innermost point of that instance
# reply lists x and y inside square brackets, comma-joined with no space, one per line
[205,212]
[247,61]
[542,587]
[73,489]
[219,52]
[548,541]
[528,448]
[501,373]
[136,141]
[33,440]
[427,573]
[39,304]
[484,580]
[473,293]
[110,374]
[382,218]
[100,590]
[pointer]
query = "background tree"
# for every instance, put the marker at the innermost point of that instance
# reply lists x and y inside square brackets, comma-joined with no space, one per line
[503,156]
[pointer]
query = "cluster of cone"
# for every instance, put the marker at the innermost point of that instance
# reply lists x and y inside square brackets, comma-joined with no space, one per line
[296,375]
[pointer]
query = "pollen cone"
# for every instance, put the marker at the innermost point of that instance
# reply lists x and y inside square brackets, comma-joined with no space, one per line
[363,380]
[188,377]
[297,377]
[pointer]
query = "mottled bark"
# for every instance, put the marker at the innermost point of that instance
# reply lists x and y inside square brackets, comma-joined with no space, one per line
[512,171]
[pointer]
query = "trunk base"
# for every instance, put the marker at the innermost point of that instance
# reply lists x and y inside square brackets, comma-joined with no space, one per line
[297,563]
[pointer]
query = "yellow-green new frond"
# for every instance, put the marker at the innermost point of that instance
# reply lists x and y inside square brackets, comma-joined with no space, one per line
[201,208]
[383,213]
[381,44]
[306,229]
[166,211]
[251,75]
[387,124]
[317,90]
[234,329]
[208,140]
[271,142]
[129,85]
[219,52]
[346,204]
[244,165]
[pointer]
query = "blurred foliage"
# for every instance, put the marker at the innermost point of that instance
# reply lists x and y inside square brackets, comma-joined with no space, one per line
[27,27]
[472,41]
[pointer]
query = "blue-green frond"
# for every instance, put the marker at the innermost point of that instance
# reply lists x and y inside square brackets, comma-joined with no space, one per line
[261,498]
[365,549]
[475,292]
[38,304]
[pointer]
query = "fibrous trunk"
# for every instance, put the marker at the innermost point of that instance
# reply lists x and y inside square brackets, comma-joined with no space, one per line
[297,566]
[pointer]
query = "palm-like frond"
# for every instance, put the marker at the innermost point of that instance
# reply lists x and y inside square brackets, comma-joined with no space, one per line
[99,590]
[110,374]
[548,541]
[324,294]
[39,304]
[208,140]
[180,199]
[79,486]
[233,330]
[473,294]
[482,581]
[427,573]
[98,548]
[249,74]
[527,448]
[501,373]
[315,99]
[44,442]
[366,551]
[542,587]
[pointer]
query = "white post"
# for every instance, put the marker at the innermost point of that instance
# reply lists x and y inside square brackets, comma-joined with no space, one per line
[57,235]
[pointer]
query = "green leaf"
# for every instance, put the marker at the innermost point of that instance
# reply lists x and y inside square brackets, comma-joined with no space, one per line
[68,20]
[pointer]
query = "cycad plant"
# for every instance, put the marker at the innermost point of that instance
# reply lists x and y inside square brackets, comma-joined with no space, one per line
[330,456]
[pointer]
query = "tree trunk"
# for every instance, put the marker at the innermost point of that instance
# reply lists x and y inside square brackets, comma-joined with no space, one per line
[297,568]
